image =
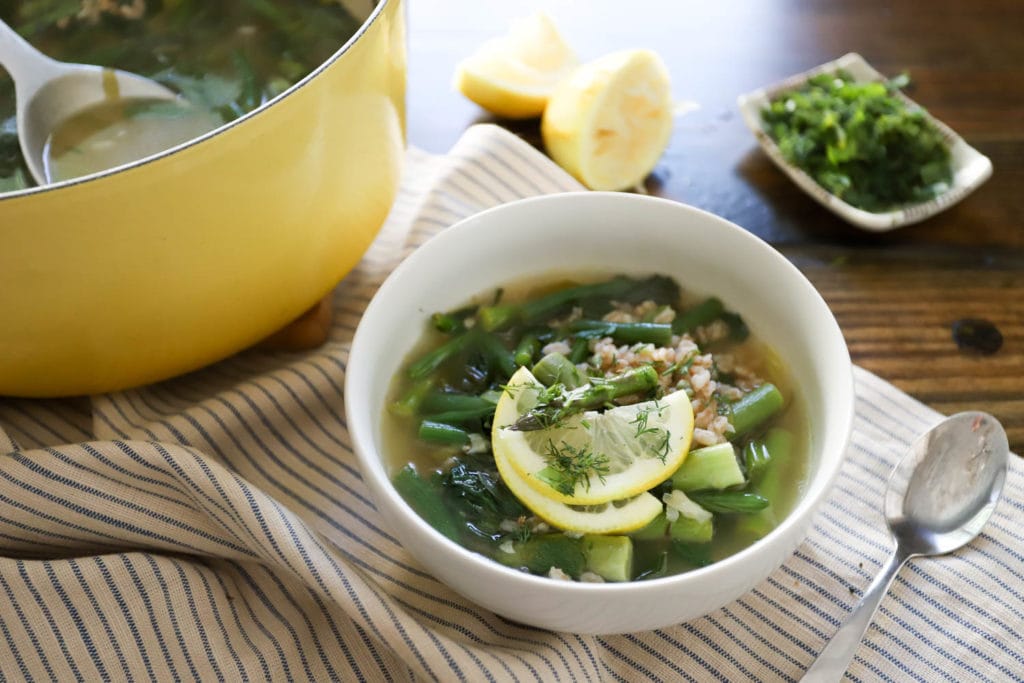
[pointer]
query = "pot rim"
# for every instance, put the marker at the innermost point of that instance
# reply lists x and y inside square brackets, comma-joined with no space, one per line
[323,66]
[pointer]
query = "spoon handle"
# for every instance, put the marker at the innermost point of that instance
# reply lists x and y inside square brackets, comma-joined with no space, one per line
[833,661]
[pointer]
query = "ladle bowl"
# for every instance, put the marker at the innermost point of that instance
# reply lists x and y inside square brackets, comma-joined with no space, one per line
[49,92]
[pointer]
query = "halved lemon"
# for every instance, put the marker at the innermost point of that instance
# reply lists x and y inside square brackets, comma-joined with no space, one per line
[630,448]
[513,76]
[609,122]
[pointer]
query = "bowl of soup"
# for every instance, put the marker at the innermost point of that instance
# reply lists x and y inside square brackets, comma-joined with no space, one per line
[116,276]
[596,412]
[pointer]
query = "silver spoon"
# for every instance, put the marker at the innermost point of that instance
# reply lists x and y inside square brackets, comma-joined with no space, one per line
[938,499]
[49,92]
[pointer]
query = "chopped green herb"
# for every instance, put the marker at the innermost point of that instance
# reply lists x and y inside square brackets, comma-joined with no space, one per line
[861,141]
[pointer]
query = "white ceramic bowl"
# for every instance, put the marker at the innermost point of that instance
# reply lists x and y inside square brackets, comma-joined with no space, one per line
[605,233]
[971,168]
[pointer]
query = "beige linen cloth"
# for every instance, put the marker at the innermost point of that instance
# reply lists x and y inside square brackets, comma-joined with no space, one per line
[215,527]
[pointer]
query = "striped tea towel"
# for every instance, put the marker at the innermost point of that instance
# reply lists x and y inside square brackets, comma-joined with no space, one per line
[214,527]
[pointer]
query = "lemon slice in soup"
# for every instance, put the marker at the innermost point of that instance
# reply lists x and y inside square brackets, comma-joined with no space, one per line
[615,517]
[593,458]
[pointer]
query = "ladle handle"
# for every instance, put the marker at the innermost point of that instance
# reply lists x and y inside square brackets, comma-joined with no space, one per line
[833,661]
[28,67]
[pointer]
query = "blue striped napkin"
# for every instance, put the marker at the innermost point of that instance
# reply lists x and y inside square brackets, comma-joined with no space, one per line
[215,527]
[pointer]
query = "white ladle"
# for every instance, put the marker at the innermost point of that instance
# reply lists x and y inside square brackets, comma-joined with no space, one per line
[49,92]
[938,499]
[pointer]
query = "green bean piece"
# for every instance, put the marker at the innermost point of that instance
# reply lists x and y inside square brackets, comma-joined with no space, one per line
[454,417]
[754,409]
[498,317]
[580,349]
[443,434]
[409,404]
[597,394]
[626,333]
[555,368]
[756,459]
[425,498]
[432,360]
[545,307]
[452,407]
[447,323]
[656,288]
[446,401]
[703,313]
[526,349]
[778,443]
[724,502]
[497,353]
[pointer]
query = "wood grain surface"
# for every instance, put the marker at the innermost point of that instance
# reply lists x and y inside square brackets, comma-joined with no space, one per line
[895,295]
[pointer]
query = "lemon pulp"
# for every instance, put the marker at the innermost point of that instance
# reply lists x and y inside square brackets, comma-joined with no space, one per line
[609,122]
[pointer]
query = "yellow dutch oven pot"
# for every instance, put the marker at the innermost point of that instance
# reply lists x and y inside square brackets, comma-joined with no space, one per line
[169,264]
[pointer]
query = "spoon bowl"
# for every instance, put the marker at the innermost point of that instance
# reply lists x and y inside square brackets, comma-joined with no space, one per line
[49,92]
[938,499]
[940,496]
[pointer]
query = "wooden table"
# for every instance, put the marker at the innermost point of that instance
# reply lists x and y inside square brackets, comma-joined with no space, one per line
[895,295]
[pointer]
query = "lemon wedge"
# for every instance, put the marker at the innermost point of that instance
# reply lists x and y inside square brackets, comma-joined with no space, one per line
[610,121]
[593,458]
[513,76]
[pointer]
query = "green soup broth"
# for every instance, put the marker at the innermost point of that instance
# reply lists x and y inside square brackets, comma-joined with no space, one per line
[490,523]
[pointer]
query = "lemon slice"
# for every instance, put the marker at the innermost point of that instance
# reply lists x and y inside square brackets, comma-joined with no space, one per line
[616,517]
[513,76]
[636,447]
[609,122]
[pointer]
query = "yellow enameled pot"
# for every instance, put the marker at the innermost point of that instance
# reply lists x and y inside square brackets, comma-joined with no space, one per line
[169,264]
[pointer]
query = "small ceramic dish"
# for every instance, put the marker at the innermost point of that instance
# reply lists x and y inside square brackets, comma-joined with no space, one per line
[971,168]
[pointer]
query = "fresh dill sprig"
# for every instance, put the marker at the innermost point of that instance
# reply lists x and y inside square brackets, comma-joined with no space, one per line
[570,466]
[655,439]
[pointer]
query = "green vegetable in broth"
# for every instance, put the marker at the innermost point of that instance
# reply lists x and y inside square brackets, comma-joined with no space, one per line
[225,56]
[596,349]
[861,141]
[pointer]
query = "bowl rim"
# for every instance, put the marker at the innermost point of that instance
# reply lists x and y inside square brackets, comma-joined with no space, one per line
[966,158]
[323,66]
[361,434]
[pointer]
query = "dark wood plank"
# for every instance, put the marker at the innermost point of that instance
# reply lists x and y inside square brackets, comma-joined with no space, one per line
[895,295]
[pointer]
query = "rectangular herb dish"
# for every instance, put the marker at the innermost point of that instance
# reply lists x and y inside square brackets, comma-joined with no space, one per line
[970,168]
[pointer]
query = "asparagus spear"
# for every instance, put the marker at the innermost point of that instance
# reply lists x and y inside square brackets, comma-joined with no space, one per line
[587,397]
[656,288]
[626,333]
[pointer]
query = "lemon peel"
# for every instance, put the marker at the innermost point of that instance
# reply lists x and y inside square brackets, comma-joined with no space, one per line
[514,75]
[609,122]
